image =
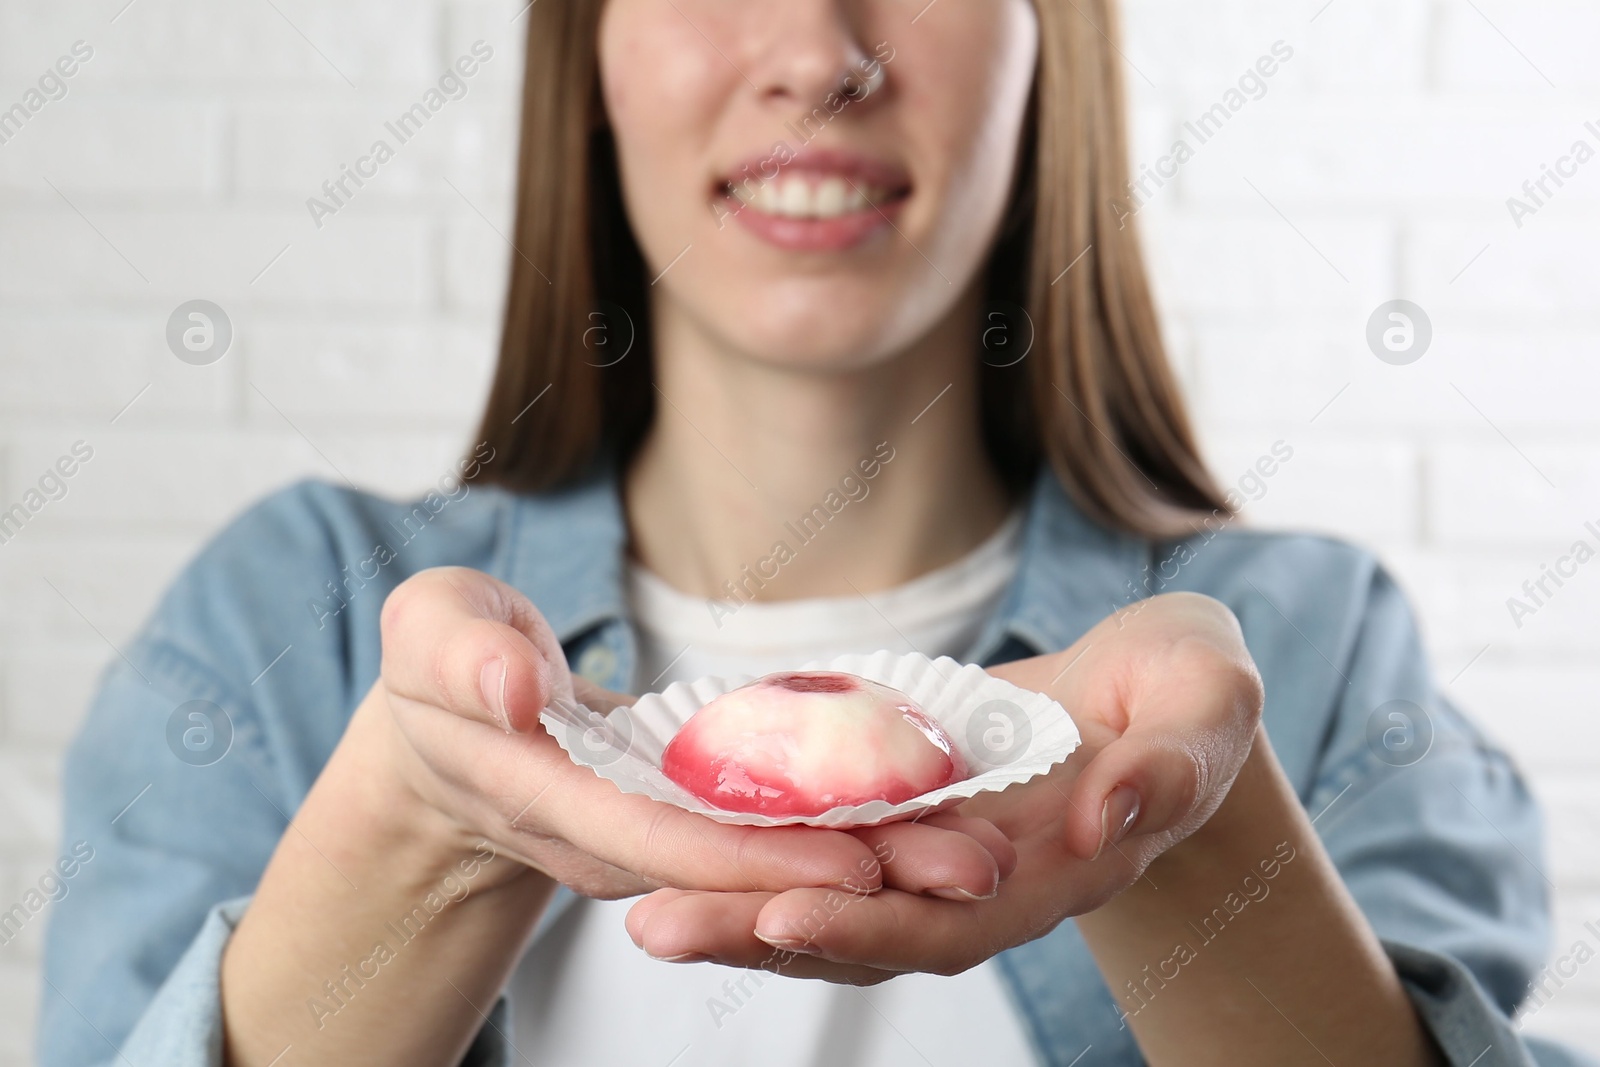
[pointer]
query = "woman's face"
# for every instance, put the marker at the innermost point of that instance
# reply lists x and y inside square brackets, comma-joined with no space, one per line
[796,216]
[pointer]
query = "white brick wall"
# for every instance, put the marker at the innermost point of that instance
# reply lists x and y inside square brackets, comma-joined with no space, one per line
[178,164]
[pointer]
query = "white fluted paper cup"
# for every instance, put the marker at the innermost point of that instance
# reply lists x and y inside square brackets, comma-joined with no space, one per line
[1005,733]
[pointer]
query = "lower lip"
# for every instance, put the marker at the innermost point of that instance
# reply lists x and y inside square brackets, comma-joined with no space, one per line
[816,235]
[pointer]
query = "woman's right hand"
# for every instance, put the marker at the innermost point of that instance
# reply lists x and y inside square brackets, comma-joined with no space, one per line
[469,663]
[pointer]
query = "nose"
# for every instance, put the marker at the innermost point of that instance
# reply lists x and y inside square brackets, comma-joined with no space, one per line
[805,49]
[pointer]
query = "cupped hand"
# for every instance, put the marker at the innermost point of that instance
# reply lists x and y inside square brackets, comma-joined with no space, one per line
[1168,702]
[469,664]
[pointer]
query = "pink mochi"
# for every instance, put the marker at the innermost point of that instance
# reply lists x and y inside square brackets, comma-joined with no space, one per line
[800,743]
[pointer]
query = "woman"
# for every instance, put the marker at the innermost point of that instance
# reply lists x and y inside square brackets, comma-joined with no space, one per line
[751,410]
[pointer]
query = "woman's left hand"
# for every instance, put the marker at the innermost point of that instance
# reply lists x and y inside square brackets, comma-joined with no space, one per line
[1168,702]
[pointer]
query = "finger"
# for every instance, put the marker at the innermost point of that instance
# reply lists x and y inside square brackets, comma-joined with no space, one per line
[936,856]
[598,699]
[891,930]
[639,914]
[541,793]
[986,833]
[897,931]
[672,924]
[458,639]
[680,848]
[1190,723]
[682,927]
[888,931]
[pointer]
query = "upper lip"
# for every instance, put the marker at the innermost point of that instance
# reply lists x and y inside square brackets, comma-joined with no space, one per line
[856,167]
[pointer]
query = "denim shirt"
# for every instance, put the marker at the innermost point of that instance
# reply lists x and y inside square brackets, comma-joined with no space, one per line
[274,629]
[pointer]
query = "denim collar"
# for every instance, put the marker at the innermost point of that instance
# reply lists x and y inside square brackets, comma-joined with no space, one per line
[567,551]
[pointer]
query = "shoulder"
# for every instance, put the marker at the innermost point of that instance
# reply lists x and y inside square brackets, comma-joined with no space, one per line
[1330,629]
[1292,567]
[312,519]
[1317,588]
[305,570]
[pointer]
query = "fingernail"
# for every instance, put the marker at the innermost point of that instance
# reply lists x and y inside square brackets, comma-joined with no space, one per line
[682,957]
[790,944]
[1117,817]
[492,685]
[955,892]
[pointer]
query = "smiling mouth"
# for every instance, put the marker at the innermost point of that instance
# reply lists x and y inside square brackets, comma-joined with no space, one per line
[803,196]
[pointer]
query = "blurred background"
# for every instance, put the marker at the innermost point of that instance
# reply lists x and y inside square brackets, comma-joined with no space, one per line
[1375,163]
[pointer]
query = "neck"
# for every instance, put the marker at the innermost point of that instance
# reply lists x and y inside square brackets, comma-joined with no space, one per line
[775,483]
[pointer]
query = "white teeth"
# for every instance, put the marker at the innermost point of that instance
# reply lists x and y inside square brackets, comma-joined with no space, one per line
[796,196]
[830,198]
[767,199]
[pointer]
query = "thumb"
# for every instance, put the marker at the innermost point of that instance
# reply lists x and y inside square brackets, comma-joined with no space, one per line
[461,640]
[1145,782]
[1191,721]
[1175,688]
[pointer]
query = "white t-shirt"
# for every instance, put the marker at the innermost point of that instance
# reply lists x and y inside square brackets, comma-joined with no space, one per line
[586,995]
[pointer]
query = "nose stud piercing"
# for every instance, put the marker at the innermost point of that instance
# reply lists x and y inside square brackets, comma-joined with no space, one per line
[858,83]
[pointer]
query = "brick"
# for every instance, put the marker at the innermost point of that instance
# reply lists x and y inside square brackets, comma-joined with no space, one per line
[192,482]
[47,689]
[480,148]
[19,1010]
[1289,372]
[502,24]
[1491,272]
[1376,151]
[1442,586]
[169,479]
[94,141]
[1534,380]
[369,258]
[295,146]
[1540,710]
[1356,489]
[1573,1021]
[29,787]
[1531,377]
[199,44]
[1572,810]
[1567,1000]
[1205,48]
[1506,45]
[477,258]
[1462,595]
[96,364]
[1182,354]
[1255,263]
[105,586]
[28,942]
[421,369]
[1150,124]
[400,464]
[1494,491]
[1362,45]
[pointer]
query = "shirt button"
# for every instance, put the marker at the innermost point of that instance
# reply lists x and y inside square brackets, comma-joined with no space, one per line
[598,663]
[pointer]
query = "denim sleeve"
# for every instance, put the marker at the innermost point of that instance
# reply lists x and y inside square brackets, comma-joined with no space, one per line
[200,744]
[182,1026]
[1439,841]
[172,836]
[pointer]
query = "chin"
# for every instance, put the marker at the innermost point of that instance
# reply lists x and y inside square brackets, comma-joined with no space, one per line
[818,346]
[839,326]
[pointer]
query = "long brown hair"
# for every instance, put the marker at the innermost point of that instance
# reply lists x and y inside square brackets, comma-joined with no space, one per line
[1096,398]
